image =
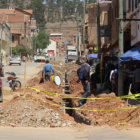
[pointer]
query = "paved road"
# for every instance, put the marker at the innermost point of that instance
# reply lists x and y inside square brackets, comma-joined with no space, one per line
[67,134]
[19,71]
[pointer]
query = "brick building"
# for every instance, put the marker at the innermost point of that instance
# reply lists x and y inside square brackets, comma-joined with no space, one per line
[105,20]
[20,25]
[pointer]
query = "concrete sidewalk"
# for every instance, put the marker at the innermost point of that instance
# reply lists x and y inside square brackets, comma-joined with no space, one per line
[89,133]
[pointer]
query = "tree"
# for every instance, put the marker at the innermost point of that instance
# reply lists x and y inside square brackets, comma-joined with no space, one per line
[38,11]
[3,3]
[21,50]
[41,41]
[19,4]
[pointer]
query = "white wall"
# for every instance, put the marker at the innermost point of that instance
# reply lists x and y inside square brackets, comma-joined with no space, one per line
[52,46]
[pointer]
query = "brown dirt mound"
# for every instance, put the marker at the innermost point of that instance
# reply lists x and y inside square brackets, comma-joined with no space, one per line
[119,119]
[25,112]
[36,111]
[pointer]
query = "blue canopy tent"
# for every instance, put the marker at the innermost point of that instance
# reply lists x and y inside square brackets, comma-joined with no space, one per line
[132,54]
[93,55]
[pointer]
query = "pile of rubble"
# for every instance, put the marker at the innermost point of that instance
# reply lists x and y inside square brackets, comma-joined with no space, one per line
[24,112]
[38,109]
[34,108]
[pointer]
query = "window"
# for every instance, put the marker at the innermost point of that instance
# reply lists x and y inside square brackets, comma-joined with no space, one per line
[13,38]
[136,4]
[132,5]
[129,5]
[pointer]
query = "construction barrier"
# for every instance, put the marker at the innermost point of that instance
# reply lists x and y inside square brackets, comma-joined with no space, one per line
[130,96]
[81,109]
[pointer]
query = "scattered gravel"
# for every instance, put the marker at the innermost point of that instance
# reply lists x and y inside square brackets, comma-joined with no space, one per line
[28,113]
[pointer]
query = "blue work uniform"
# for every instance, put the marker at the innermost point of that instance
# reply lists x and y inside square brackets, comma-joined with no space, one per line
[47,69]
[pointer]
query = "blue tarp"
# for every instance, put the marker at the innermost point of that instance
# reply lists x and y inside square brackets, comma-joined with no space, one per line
[92,55]
[132,54]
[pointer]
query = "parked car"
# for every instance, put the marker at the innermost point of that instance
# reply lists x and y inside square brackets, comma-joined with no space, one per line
[1,71]
[39,58]
[1,97]
[15,60]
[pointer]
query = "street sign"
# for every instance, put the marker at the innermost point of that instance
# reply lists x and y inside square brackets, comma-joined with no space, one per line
[105,31]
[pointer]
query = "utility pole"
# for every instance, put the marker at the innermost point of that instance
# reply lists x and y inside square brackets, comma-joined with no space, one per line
[1,43]
[77,38]
[84,12]
[99,40]
[121,44]
[98,30]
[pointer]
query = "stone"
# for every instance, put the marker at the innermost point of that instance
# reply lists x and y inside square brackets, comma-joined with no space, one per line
[12,124]
[64,125]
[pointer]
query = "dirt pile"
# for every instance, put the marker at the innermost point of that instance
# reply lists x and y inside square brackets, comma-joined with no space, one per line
[25,112]
[37,109]
[106,111]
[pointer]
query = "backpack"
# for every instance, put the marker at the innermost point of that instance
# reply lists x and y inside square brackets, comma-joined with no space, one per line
[80,74]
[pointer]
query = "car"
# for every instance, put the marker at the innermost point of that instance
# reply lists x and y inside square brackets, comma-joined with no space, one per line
[46,54]
[1,97]
[1,71]
[15,60]
[39,58]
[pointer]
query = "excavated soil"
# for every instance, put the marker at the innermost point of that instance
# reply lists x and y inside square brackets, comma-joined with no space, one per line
[94,109]
[38,109]
[26,112]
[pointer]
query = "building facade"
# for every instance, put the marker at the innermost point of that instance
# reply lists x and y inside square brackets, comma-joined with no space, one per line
[51,48]
[20,25]
[5,43]
[105,20]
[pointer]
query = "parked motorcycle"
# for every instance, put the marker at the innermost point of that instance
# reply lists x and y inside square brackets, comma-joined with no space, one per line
[13,81]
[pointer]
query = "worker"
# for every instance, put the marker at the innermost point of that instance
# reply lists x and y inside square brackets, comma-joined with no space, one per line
[114,81]
[48,68]
[84,76]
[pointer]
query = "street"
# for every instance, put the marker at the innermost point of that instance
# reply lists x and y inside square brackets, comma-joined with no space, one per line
[77,70]
[63,133]
[31,69]
[89,133]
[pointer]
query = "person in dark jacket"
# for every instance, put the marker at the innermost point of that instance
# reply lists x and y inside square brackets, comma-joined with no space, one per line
[48,68]
[136,79]
[84,76]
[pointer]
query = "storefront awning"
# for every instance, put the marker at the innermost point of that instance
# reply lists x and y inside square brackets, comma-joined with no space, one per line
[132,54]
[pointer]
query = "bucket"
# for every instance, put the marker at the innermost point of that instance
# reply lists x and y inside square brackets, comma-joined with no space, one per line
[52,78]
[55,79]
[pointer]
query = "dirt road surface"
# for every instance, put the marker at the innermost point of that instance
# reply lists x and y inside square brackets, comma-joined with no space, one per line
[31,69]
[89,133]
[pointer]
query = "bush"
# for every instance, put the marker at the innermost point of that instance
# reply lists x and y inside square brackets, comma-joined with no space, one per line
[21,50]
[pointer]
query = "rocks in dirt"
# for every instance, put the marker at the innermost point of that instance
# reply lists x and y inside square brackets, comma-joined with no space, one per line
[28,113]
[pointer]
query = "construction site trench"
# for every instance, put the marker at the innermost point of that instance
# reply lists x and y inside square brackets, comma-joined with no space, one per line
[68,102]
[49,105]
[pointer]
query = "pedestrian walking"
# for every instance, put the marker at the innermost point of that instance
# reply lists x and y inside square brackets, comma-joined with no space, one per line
[84,76]
[48,68]
[114,81]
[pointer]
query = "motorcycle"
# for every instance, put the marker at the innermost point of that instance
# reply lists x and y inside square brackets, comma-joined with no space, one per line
[13,81]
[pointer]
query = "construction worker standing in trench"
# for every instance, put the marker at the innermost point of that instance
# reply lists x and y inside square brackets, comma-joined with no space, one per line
[84,76]
[47,69]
